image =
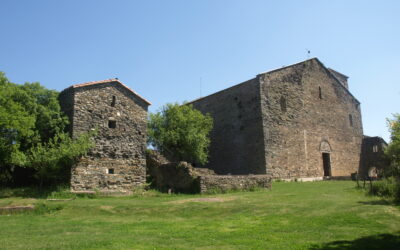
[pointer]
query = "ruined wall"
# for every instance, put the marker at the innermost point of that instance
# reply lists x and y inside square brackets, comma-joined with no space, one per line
[92,174]
[237,136]
[210,183]
[373,157]
[305,113]
[118,160]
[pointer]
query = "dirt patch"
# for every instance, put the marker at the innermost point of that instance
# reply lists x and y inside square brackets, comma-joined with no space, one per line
[210,199]
[107,208]
[11,209]
[61,199]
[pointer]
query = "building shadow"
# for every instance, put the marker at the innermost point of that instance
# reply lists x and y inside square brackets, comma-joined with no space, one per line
[27,192]
[380,241]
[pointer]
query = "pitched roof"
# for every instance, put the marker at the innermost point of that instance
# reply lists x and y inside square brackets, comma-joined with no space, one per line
[80,85]
[282,68]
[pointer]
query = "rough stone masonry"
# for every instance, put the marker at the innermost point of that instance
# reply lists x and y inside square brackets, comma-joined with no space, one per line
[296,122]
[117,163]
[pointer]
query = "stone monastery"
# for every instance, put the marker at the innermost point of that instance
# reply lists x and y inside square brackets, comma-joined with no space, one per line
[297,122]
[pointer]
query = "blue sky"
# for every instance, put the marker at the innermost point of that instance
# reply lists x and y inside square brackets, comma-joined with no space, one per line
[164,49]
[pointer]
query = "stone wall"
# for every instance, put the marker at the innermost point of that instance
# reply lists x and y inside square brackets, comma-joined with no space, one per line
[218,183]
[237,136]
[117,162]
[92,174]
[315,120]
[373,157]
[182,177]
[178,177]
[281,122]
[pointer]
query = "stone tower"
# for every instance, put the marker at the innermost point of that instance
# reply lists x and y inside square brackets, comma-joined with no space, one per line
[118,161]
[299,121]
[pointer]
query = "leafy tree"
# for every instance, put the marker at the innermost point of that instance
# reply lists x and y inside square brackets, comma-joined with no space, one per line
[16,126]
[32,126]
[181,133]
[393,150]
[52,160]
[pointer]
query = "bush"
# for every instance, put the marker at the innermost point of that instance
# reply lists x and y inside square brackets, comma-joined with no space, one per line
[386,187]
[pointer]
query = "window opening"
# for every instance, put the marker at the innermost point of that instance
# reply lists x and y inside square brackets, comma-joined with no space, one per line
[375,148]
[283,104]
[112,124]
[320,92]
[114,99]
[351,120]
[110,171]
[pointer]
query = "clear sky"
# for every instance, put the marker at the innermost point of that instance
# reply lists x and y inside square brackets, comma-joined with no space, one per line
[165,49]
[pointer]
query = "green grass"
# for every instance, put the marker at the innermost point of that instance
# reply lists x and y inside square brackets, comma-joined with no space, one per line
[317,215]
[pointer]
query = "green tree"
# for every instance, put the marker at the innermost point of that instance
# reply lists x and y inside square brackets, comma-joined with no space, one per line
[393,150]
[52,160]
[17,125]
[181,133]
[32,126]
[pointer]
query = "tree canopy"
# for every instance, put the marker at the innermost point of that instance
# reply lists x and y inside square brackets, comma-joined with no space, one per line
[32,125]
[181,133]
[393,149]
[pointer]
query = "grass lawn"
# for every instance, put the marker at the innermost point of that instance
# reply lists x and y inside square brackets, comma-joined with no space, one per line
[316,215]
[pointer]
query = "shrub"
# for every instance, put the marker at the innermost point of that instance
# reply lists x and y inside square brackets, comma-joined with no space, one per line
[386,187]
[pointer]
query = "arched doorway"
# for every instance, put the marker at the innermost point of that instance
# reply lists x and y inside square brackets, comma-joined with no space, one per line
[372,172]
[325,149]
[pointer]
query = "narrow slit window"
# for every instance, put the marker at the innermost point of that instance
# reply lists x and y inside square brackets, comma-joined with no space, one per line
[112,124]
[351,120]
[283,104]
[320,92]
[114,99]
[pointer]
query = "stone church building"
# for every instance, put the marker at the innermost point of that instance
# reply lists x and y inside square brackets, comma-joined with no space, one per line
[299,121]
[119,115]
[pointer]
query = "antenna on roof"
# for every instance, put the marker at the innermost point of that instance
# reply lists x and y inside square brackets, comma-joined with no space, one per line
[308,53]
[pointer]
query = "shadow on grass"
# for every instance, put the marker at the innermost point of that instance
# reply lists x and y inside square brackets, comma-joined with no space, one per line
[377,202]
[380,241]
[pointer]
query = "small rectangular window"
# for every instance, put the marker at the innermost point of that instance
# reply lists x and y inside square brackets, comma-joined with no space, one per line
[351,120]
[110,171]
[114,99]
[375,148]
[112,124]
[283,104]
[320,92]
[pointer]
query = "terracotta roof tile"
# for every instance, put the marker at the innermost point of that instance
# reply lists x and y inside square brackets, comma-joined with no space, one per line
[108,81]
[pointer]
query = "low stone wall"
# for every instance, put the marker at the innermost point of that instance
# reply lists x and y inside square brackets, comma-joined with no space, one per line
[233,182]
[182,177]
[107,175]
[178,177]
